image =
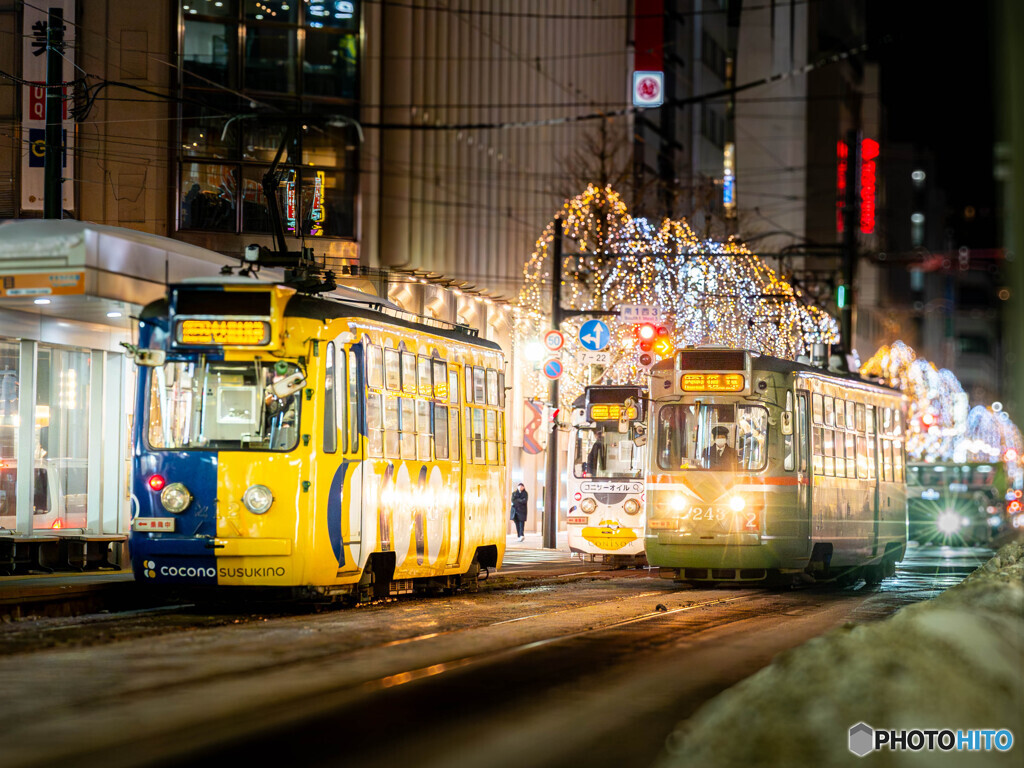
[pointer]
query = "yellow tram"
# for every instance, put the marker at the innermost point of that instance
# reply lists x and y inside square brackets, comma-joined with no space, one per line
[332,446]
[761,468]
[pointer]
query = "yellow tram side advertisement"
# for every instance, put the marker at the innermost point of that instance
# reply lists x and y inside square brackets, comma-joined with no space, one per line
[331,446]
[605,477]
[763,469]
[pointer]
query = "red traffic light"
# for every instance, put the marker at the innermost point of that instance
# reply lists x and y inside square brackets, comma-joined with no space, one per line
[646,332]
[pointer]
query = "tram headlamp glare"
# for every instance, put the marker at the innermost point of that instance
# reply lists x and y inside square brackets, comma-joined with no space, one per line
[632,506]
[257,499]
[737,503]
[588,505]
[175,498]
[948,523]
[678,503]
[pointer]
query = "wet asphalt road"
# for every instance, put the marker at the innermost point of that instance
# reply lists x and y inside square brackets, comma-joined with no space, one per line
[587,667]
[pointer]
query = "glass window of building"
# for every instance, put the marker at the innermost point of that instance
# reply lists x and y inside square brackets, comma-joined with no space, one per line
[9,378]
[299,60]
[60,480]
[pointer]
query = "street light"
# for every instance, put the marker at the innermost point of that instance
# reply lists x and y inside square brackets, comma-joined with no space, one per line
[534,351]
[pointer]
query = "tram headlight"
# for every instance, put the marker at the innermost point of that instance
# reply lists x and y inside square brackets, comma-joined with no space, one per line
[632,506]
[948,523]
[737,503]
[175,498]
[588,505]
[257,499]
[678,503]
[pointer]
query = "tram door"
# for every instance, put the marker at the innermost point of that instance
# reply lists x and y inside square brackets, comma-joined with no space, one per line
[804,471]
[351,405]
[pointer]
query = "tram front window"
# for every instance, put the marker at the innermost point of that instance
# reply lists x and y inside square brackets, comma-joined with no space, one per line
[222,406]
[607,454]
[721,437]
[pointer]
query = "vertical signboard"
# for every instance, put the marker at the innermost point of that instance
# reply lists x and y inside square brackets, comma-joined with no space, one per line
[648,54]
[868,173]
[33,101]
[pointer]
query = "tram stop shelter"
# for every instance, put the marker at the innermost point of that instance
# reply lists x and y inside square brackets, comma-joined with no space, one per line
[68,293]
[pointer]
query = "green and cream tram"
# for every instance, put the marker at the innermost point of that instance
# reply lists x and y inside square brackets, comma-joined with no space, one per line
[762,468]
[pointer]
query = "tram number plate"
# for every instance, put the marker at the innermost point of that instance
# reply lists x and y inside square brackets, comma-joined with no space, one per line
[153,524]
[711,514]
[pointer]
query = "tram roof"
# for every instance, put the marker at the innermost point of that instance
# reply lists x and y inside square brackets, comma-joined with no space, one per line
[323,308]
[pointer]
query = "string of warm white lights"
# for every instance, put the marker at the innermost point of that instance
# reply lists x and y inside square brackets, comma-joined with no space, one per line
[939,425]
[706,292]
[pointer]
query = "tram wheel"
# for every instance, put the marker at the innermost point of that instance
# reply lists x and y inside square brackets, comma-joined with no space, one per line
[874,573]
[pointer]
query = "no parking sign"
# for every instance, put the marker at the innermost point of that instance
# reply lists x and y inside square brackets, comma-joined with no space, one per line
[552,368]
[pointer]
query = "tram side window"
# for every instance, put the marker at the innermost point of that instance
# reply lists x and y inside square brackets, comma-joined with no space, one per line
[501,390]
[501,437]
[392,368]
[374,425]
[862,457]
[491,435]
[479,387]
[478,436]
[829,450]
[392,439]
[426,388]
[440,431]
[851,415]
[886,460]
[409,373]
[353,403]
[840,413]
[375,367]
[897,460]
[423,430]
[840,449]
[330,411]
[407,427]
[819,445]
[453,433]
[851,453]
[440,379]
[453,387]
[817,408]
[469,383]
[860,417]
[830,414]
[492,386]
[887,421]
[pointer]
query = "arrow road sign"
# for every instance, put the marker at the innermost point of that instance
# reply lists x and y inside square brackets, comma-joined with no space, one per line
[553,368]
[594,335]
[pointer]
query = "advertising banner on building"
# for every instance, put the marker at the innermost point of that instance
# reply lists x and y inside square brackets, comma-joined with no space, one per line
[33,100]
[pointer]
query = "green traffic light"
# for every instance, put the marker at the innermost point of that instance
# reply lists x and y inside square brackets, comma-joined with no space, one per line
[841,296]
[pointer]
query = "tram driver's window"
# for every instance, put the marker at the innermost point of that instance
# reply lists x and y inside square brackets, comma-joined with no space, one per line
[817,408]
[671,436]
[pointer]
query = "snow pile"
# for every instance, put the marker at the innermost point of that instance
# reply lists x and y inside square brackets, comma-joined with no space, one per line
[955,662]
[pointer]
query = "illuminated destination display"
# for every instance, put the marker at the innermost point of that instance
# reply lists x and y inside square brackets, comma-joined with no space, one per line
[247,333]
[713,382]
[611,412]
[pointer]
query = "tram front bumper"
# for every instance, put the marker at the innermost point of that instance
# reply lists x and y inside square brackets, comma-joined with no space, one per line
[734,550]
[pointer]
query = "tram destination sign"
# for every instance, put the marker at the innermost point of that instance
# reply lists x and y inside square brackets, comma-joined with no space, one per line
[224,332]
[712,382]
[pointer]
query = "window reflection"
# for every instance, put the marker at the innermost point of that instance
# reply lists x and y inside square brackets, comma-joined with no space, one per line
[208,197]
[330,66]
[270,56]
[207,53]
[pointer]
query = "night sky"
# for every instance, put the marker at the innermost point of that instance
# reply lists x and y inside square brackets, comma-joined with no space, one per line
[938,92]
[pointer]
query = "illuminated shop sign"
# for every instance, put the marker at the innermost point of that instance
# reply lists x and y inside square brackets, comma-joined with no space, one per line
[869,150]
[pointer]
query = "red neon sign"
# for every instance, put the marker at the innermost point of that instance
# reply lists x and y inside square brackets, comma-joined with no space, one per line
[868,173]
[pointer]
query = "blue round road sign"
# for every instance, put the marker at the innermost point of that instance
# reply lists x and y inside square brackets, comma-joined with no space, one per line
[594,335]
[553,368]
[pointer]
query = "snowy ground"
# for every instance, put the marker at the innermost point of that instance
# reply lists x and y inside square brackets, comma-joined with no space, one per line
[955,662]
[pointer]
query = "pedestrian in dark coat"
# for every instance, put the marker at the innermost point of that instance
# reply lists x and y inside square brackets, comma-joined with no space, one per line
[518,516]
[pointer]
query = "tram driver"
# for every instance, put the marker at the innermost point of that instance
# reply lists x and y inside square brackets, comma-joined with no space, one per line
[719,455]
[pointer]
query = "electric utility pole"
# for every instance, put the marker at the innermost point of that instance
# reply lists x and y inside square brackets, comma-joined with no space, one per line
[550,533]
[53,197]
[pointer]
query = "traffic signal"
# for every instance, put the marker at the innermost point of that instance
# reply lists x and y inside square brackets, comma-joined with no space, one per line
[842,296]
[645,334]
[663,345]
